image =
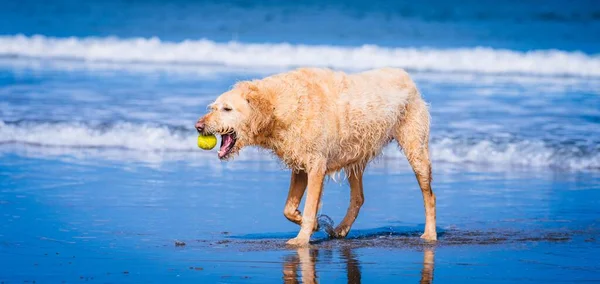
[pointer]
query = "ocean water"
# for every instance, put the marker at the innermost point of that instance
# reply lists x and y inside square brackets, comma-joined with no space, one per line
[100,175]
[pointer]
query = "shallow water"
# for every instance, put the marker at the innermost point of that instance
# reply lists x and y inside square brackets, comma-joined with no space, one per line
[113,222]
[100,178]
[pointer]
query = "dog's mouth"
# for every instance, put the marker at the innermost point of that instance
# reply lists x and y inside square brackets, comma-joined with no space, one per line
[227,143]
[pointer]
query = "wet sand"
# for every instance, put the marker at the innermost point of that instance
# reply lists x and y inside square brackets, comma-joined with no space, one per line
[111,222]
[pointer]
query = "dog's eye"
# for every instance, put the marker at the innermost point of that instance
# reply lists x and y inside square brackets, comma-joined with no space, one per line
[227,108]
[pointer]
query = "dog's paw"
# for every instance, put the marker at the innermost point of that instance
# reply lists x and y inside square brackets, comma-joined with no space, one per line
[298,242]
[340,232]
[429,236]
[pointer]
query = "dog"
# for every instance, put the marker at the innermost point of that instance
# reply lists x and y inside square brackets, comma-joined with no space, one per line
[320,122]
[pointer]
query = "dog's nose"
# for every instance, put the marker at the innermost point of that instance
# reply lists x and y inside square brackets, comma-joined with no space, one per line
[200,126]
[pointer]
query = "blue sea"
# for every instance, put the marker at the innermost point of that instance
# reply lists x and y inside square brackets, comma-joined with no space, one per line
[101,179]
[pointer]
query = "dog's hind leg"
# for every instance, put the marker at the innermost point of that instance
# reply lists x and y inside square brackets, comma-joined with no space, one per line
[356,201]
[412,134]
[298,184]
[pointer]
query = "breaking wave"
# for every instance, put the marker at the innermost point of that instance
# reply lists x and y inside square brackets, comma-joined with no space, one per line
[283,55]
[156,140]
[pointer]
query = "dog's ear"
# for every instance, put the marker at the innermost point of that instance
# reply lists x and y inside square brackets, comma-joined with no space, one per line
[250,91]
[257,98]
[260,100]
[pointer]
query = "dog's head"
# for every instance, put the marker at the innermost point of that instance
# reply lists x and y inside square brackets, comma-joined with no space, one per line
[241,116]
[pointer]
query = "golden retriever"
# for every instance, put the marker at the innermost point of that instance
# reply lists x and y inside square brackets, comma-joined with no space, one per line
[319,122]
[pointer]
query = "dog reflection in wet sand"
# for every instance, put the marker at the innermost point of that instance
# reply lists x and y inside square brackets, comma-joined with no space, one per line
[303,264]
[320,122]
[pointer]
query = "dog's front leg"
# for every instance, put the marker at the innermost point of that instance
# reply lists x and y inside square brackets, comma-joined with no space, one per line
[313,199]
[298,184]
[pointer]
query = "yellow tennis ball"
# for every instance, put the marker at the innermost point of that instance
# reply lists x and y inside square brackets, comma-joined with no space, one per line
[207,142]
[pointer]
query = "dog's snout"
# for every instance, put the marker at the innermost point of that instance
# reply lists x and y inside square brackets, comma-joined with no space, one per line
[200,125]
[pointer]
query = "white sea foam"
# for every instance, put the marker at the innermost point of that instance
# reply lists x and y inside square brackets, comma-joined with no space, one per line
[282,55]
[155,142]
[522,153]
[122,135]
